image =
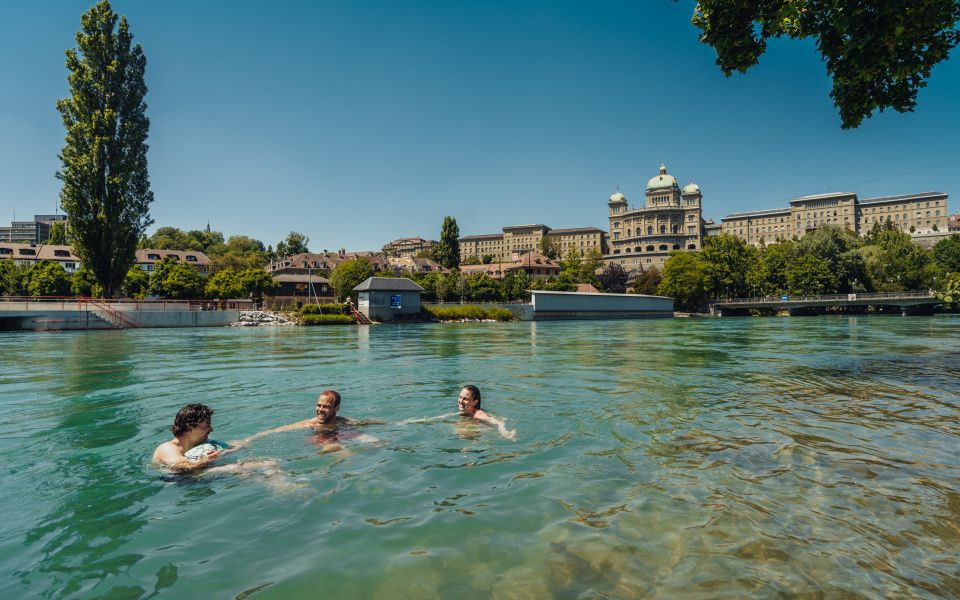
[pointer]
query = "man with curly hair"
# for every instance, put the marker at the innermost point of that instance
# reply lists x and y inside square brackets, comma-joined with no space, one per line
[190,447]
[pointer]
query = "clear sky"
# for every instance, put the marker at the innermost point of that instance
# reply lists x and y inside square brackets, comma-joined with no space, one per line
[357,122]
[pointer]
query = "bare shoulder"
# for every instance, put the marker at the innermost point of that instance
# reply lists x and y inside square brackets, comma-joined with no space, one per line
[168,453]
[482,415]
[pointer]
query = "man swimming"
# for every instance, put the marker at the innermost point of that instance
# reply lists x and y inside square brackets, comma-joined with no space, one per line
[190,447]
[326,423]
[468,405]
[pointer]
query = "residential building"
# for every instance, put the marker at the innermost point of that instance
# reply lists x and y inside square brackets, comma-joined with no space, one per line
[535,264]
[670,219]
[312,262]
[917,214]
[148,258]
[408,247]
[297,289]
[27,254]
[407,264]
[953,223]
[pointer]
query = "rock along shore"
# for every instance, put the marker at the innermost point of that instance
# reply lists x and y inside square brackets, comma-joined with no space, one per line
[261,318]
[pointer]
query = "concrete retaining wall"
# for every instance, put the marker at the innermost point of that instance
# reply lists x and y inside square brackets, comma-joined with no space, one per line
[66,319]
[581,305]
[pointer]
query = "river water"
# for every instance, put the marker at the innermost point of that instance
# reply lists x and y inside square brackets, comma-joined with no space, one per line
[764,457]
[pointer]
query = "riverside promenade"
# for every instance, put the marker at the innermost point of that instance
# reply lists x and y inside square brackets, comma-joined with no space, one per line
[55,314]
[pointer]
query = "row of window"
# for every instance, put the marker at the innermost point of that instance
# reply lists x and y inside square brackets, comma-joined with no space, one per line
[661,248]
[32,252]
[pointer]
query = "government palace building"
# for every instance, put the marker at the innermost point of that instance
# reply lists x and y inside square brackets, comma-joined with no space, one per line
[670,219]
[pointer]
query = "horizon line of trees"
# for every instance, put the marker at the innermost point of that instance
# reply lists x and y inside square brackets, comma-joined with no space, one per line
[830,260]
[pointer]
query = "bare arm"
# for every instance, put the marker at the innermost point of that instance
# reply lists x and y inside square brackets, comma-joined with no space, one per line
[483,417]
[291,427]
[171,457]
[425,419]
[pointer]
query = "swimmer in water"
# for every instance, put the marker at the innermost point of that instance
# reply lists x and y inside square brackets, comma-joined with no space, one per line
[468,406]
[190,447]
[326,423]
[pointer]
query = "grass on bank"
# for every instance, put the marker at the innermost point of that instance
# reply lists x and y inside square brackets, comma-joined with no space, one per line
[327,320]
[324,309]
[469,311]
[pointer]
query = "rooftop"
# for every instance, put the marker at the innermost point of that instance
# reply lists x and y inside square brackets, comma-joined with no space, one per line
[482,236]
[388,284]
[576,230]
[920,196]
[758,213]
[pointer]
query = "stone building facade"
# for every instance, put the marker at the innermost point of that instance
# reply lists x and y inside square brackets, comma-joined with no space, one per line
[519,239]
[916,214]
[670,219]
[408,247]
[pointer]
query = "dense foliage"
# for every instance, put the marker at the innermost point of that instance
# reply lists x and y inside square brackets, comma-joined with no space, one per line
[878,54]
[831,260]
[348,275]
[106,190]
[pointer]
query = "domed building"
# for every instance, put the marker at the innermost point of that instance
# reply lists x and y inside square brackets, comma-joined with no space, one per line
[670,219]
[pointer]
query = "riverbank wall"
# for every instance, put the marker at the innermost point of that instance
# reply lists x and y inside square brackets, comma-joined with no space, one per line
[31,315]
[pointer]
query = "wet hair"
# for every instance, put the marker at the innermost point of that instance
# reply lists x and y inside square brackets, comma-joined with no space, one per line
[189,417]
[334,393]
[474,393]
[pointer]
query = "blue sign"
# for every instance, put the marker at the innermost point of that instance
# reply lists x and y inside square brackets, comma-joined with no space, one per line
[784,298]
[395,301]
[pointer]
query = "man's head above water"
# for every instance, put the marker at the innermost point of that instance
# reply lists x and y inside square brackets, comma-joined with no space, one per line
[190,417]
[327,406]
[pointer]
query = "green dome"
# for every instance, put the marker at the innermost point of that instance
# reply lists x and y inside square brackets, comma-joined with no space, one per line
[662,181]
[617,197]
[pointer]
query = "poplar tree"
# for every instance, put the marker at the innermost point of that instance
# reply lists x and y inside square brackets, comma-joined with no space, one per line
[447,250]
[106,189]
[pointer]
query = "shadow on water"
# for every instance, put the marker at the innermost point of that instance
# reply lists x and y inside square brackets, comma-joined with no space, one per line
[102,483]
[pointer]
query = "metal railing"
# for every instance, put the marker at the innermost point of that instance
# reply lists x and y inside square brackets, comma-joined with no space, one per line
[78,303]
[831,298]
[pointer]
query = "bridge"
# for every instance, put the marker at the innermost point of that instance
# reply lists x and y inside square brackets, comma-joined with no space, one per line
[905,303]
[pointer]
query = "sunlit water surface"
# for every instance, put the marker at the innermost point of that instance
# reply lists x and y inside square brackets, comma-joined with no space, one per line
[776,457]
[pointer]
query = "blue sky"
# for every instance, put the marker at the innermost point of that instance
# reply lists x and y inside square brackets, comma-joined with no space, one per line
[359,122]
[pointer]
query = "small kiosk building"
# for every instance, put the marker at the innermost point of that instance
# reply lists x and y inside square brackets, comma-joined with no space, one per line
[388,298]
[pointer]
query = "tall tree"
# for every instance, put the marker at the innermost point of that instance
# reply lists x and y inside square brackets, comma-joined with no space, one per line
[613,279]
[348,275]
[686,279]
[447,250]
[294,243]
[58,233]
[728,260]
[878,53]
[106,189]
[946,253]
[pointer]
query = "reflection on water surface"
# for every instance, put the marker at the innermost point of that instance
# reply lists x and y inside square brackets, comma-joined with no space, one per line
[690,458]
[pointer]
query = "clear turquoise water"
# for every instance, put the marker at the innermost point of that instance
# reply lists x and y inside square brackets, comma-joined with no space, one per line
[777,457]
